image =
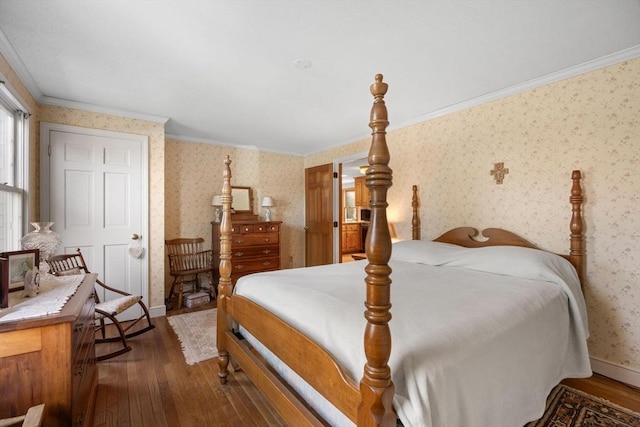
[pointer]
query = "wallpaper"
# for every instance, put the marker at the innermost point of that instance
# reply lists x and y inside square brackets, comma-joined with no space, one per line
[590,122]
[194,176]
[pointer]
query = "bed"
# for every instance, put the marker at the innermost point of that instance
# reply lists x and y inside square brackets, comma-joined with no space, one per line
[477,341]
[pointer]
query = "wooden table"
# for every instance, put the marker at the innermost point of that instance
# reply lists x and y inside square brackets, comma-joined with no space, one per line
[51,359]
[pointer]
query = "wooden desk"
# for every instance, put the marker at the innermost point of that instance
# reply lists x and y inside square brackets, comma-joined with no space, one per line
[51,360]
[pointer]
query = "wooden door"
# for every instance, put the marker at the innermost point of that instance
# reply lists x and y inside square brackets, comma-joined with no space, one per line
[93,187]
[319,215]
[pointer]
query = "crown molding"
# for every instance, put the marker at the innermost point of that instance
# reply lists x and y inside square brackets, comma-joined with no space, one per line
[65,103]
[9,53]
[586,67]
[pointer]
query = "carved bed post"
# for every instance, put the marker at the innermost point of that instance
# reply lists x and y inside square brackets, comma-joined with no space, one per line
[225,287]
[577,249]
[376,387]
[415,220]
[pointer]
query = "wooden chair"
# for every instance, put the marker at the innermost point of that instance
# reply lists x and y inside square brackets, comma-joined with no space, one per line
[67,264]
[33,418]
[187,260]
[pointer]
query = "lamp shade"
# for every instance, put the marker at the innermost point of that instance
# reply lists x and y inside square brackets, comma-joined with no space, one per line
[216,201]
[267,202]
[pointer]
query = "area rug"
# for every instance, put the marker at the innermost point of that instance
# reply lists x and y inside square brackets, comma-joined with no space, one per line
[197,334]
[568,407]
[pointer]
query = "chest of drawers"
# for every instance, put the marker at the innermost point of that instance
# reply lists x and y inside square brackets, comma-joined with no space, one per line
[51,360]
[255,247]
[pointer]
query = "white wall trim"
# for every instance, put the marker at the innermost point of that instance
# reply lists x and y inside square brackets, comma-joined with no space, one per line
[7,50]
[158,311]
[65,103]
[615,371]
[586,67]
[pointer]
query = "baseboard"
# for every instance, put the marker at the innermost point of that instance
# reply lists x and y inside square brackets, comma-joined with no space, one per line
[158,311]
[616,372]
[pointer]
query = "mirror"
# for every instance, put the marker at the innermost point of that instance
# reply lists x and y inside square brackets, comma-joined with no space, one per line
[242,200]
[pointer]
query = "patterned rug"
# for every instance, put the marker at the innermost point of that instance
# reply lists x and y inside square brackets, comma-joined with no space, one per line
[197,334]
[568,407]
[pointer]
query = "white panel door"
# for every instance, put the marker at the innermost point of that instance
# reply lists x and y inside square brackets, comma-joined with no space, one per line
[94,190]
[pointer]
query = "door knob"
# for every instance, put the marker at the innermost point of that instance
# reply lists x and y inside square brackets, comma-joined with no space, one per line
[306,228]
[135,236]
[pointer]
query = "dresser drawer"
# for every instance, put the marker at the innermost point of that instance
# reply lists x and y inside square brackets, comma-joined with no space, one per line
[240,253]
[255,228]
[249,266]
[241,240]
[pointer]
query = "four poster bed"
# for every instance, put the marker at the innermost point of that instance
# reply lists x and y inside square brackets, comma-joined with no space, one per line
[482,330]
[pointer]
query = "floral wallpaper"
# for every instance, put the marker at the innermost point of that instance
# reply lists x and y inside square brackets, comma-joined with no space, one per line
[194,176]
[590,122]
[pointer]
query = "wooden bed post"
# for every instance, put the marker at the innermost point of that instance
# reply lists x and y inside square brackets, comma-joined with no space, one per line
[376,387]
[225,286]
[577,249]
[415,219]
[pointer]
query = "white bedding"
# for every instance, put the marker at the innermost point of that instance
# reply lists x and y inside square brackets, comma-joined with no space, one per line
[480,336]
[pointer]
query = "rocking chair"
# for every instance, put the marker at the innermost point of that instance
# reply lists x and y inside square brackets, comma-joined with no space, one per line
[69,264]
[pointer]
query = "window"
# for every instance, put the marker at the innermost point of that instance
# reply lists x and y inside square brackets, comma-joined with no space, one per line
[13,170]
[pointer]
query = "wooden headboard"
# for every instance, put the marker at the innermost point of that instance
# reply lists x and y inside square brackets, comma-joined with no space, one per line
[472,238]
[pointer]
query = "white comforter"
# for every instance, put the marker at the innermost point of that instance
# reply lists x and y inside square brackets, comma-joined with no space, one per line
[480,336]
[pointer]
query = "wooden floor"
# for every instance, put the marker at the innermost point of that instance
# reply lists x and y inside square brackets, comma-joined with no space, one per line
[153,386]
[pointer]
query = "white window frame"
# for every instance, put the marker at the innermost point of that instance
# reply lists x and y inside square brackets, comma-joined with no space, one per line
[17,225]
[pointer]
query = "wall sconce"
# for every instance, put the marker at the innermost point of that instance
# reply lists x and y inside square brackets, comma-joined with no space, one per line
[267,203]
[363,169]
[217,203]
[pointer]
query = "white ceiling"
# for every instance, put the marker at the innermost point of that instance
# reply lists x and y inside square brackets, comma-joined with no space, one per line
[223,71]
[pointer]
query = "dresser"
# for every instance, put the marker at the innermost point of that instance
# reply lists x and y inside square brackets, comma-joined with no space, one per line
[255,247]
[51,360]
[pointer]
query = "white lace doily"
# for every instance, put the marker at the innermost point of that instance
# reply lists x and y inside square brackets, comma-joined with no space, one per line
[54,294]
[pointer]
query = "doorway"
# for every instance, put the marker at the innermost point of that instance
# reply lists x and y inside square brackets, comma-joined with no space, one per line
[353,213]
[93,187]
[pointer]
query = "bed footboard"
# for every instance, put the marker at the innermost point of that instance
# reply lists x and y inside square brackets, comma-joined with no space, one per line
[302,355]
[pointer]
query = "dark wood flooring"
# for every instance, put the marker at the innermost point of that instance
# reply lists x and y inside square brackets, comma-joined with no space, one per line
[153,386]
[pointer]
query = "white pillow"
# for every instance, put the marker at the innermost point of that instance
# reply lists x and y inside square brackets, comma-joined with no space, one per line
[425,251]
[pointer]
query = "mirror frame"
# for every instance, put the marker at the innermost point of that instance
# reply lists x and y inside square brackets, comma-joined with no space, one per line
[242,200]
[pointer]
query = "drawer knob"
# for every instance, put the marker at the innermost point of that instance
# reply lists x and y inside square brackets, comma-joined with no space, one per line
[239,240]
[266,239]
[266,251]
[239,266]
[266,263]
[238,253]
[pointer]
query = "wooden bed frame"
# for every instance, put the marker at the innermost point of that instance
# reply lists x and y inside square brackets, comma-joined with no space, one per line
[368,403]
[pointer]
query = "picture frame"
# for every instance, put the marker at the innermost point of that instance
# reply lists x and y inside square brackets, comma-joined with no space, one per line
[16,265]
[4,283]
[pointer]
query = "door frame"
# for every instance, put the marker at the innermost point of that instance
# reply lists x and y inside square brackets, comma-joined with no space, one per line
[337,198]
[45,190]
